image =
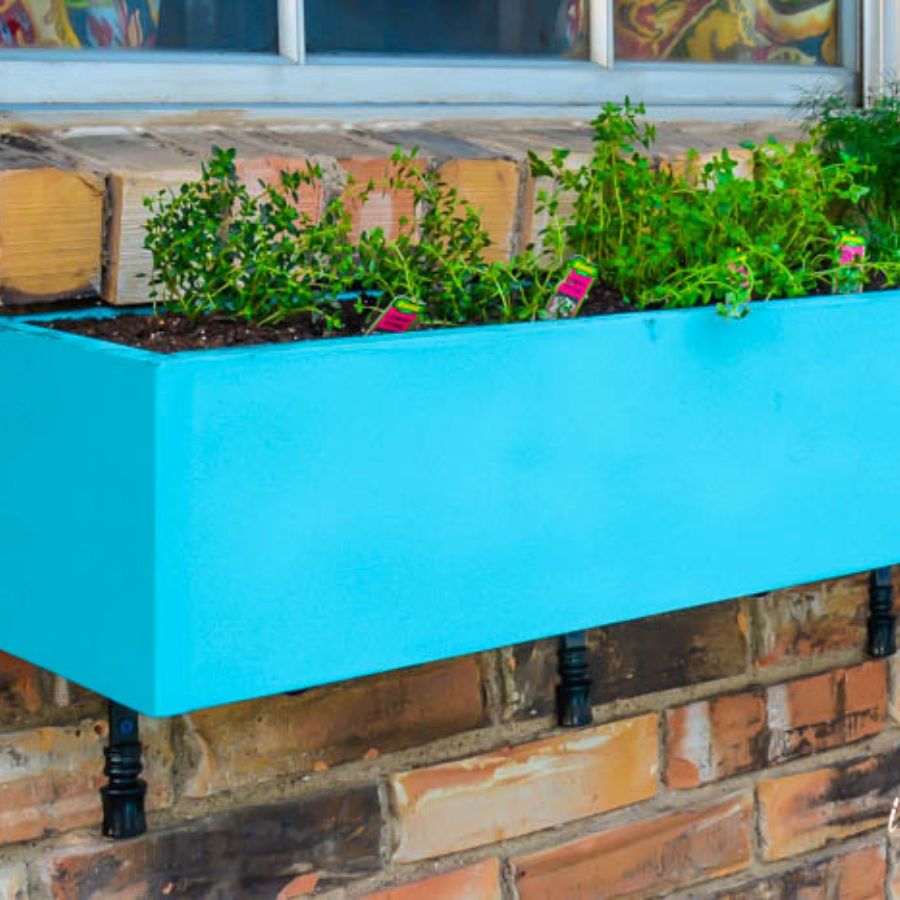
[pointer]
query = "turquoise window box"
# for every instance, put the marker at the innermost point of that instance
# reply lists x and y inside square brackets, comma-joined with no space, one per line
[183,531]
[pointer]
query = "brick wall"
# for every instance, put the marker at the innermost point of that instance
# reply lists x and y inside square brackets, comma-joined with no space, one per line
[746,749]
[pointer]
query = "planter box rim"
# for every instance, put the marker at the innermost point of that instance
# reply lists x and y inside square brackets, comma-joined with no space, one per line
[435,336]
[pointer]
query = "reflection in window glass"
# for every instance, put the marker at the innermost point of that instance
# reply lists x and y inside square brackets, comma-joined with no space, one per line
[247,25]
[803,32]
[510,27]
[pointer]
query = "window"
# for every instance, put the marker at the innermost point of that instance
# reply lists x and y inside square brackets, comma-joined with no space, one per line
[542,28]
[319,56]
[140,24]
[748,31]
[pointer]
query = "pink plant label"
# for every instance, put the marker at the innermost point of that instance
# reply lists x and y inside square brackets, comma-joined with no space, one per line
[851,249]
[400,316]
[573,290]
[851,254]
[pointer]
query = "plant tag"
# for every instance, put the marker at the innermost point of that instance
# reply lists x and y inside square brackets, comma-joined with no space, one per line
[573,289]
[400,316]
[851,256]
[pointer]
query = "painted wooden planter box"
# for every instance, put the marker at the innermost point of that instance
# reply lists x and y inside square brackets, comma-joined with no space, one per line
[183,531]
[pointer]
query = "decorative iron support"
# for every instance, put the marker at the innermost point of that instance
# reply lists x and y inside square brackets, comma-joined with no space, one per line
[574,692]
[123,796]
[882,640]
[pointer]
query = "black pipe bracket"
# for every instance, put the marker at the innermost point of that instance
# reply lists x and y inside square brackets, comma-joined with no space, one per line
[123,796]
[882,632]
[574,691]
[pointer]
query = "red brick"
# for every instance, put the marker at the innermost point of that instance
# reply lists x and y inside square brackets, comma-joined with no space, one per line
[268,169]
[811,619]
[301,886]
[514,791]
[385,208]
[858,875]
[478,882]
[21,688]
[714,739]
[808,810]
[248,743]
[642,656]
[50,777]
[643,858]
[491,186]
[534,221]
[828,710]
[249,852]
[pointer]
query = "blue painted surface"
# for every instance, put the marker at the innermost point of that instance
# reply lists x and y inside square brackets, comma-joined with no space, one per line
[267,519]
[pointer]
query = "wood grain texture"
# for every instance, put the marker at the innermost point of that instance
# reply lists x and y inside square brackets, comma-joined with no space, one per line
[51,224]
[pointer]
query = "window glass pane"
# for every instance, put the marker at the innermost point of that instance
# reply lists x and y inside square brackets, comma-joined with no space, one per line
[802,32]
[511,27]
[246,25]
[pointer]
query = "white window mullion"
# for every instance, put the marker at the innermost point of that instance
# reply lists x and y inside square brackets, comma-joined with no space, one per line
[291,31]
[880,44]
[601,33]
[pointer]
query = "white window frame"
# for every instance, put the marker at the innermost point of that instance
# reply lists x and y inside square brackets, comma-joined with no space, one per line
[314,86]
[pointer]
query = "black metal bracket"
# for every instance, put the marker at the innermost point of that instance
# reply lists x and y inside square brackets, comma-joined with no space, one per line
[882,639]
[574,692]
[123,796]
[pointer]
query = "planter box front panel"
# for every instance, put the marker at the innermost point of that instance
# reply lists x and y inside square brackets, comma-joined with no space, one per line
[334,509]
[77,454]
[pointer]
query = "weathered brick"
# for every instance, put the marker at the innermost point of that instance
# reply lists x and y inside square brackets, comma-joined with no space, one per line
[491,186]
[811,619]
[714,739]
[535,220]
[245,853]
[247,743]
[478,882]
[642,656]
[301,886]
[643,858]
[690,164]
[22,689]
[808,810]
[269,169]
[50,777]
[517,790]
[858,875]
[14,883]
[385,208]
[31,696]
[828,710]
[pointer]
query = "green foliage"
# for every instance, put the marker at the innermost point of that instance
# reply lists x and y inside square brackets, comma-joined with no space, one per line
[661,236]
[871,135]
[440,259]
[707,235]
[220,250]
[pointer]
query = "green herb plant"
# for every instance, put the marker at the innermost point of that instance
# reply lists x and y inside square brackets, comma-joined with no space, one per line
[870,134]
[442,257]
[219,249]
[704,235]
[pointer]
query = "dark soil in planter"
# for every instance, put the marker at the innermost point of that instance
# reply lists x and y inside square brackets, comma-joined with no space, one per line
[167,333]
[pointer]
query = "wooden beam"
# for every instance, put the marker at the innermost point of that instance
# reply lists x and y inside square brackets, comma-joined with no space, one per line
[134,164]
[51,224]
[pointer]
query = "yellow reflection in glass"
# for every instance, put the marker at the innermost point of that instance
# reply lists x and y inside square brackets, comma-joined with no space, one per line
[802,32]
